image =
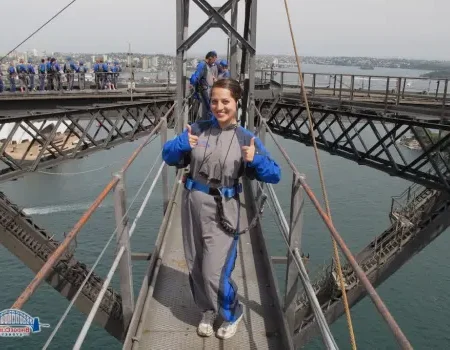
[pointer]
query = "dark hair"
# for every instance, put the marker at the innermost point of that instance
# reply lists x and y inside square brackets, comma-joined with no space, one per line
[211,54]
[231,85]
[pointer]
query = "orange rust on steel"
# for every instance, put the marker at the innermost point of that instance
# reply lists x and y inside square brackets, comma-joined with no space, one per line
[400,336]
[54,258]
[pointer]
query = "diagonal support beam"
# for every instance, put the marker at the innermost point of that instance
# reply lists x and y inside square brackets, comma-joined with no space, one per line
[224,25]
[187,44]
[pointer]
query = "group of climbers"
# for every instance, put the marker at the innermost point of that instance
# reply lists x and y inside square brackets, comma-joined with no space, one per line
[205,75]
[106,75]
[25,73]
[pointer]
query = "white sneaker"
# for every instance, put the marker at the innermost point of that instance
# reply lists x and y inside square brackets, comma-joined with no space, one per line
[205,328]
[228,329]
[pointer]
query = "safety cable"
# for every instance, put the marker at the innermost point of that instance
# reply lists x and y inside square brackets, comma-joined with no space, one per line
[66,312]
[322,184]
[96,169]
[37,30]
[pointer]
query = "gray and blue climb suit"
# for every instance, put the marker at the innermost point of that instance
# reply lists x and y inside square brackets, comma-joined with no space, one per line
[42,68]
[69,69]
[12,78]
[22,71]
[216,165]
[202,80]
[31,73]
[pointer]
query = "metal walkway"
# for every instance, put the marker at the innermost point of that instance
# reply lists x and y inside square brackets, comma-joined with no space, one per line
[170,318]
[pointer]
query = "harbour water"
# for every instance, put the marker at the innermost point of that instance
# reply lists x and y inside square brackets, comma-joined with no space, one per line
[360,202]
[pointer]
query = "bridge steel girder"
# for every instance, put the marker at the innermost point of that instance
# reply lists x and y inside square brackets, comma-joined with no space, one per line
[64,135]
[369,138]
[33,245]
[429,215]
[247,42]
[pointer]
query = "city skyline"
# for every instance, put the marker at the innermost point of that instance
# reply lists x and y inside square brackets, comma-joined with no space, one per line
[406,29]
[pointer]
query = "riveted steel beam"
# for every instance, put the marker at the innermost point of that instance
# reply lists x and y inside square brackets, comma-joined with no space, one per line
[35,142]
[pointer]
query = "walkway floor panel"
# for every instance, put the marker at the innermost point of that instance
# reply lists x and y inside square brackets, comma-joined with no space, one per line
[172,318]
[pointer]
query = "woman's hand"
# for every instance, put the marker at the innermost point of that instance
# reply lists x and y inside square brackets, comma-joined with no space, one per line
[193,140]
[248,152]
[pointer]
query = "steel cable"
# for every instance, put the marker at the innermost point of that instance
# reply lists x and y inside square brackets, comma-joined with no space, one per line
[37,30]
[322,184]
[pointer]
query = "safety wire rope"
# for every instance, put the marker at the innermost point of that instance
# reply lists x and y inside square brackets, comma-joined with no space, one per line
[322,183]
[37,30]
[96,169]
[144,203]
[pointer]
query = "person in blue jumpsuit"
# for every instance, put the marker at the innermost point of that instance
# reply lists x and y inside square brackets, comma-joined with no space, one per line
[22,71]
[56,73]
[50,74]
[42,69]
[202,80]
[116,72]
[69,69]
[31,74]
[218,152]
[2,85]
[12,73]
[224,73]
[82,70]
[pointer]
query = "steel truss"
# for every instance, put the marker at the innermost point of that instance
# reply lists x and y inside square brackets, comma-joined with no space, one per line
[370,139]
[247,42]
[33,245]
[424,215]
[44,140]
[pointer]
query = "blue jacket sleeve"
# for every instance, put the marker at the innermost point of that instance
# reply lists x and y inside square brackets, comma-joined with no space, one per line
[197,75]
[267,170]
[174,150]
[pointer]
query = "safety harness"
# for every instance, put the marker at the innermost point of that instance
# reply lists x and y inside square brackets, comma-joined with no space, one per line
[225,192]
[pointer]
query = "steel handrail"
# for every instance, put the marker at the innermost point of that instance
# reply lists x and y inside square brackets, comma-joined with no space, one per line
[381,307]
[114,266]
[54,258]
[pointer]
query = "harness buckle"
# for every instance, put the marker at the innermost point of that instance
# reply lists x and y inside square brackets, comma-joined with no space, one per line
[216,192]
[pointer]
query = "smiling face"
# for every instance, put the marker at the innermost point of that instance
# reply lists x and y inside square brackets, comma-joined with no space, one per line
[224,106]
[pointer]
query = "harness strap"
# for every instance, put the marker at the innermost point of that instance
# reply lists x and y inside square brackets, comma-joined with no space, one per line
[227,192]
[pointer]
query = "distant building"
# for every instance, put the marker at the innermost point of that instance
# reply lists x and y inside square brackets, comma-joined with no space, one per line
[145,63]
[105,58]
[155,61]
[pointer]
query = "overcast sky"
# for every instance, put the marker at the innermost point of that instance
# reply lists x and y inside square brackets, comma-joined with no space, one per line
[382,28]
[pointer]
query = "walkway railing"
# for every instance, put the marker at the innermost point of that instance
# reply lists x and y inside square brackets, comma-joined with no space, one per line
[57,82]
[295,268]
[381,88]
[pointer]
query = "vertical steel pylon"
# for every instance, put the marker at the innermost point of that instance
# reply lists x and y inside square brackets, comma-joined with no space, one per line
[245,42]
